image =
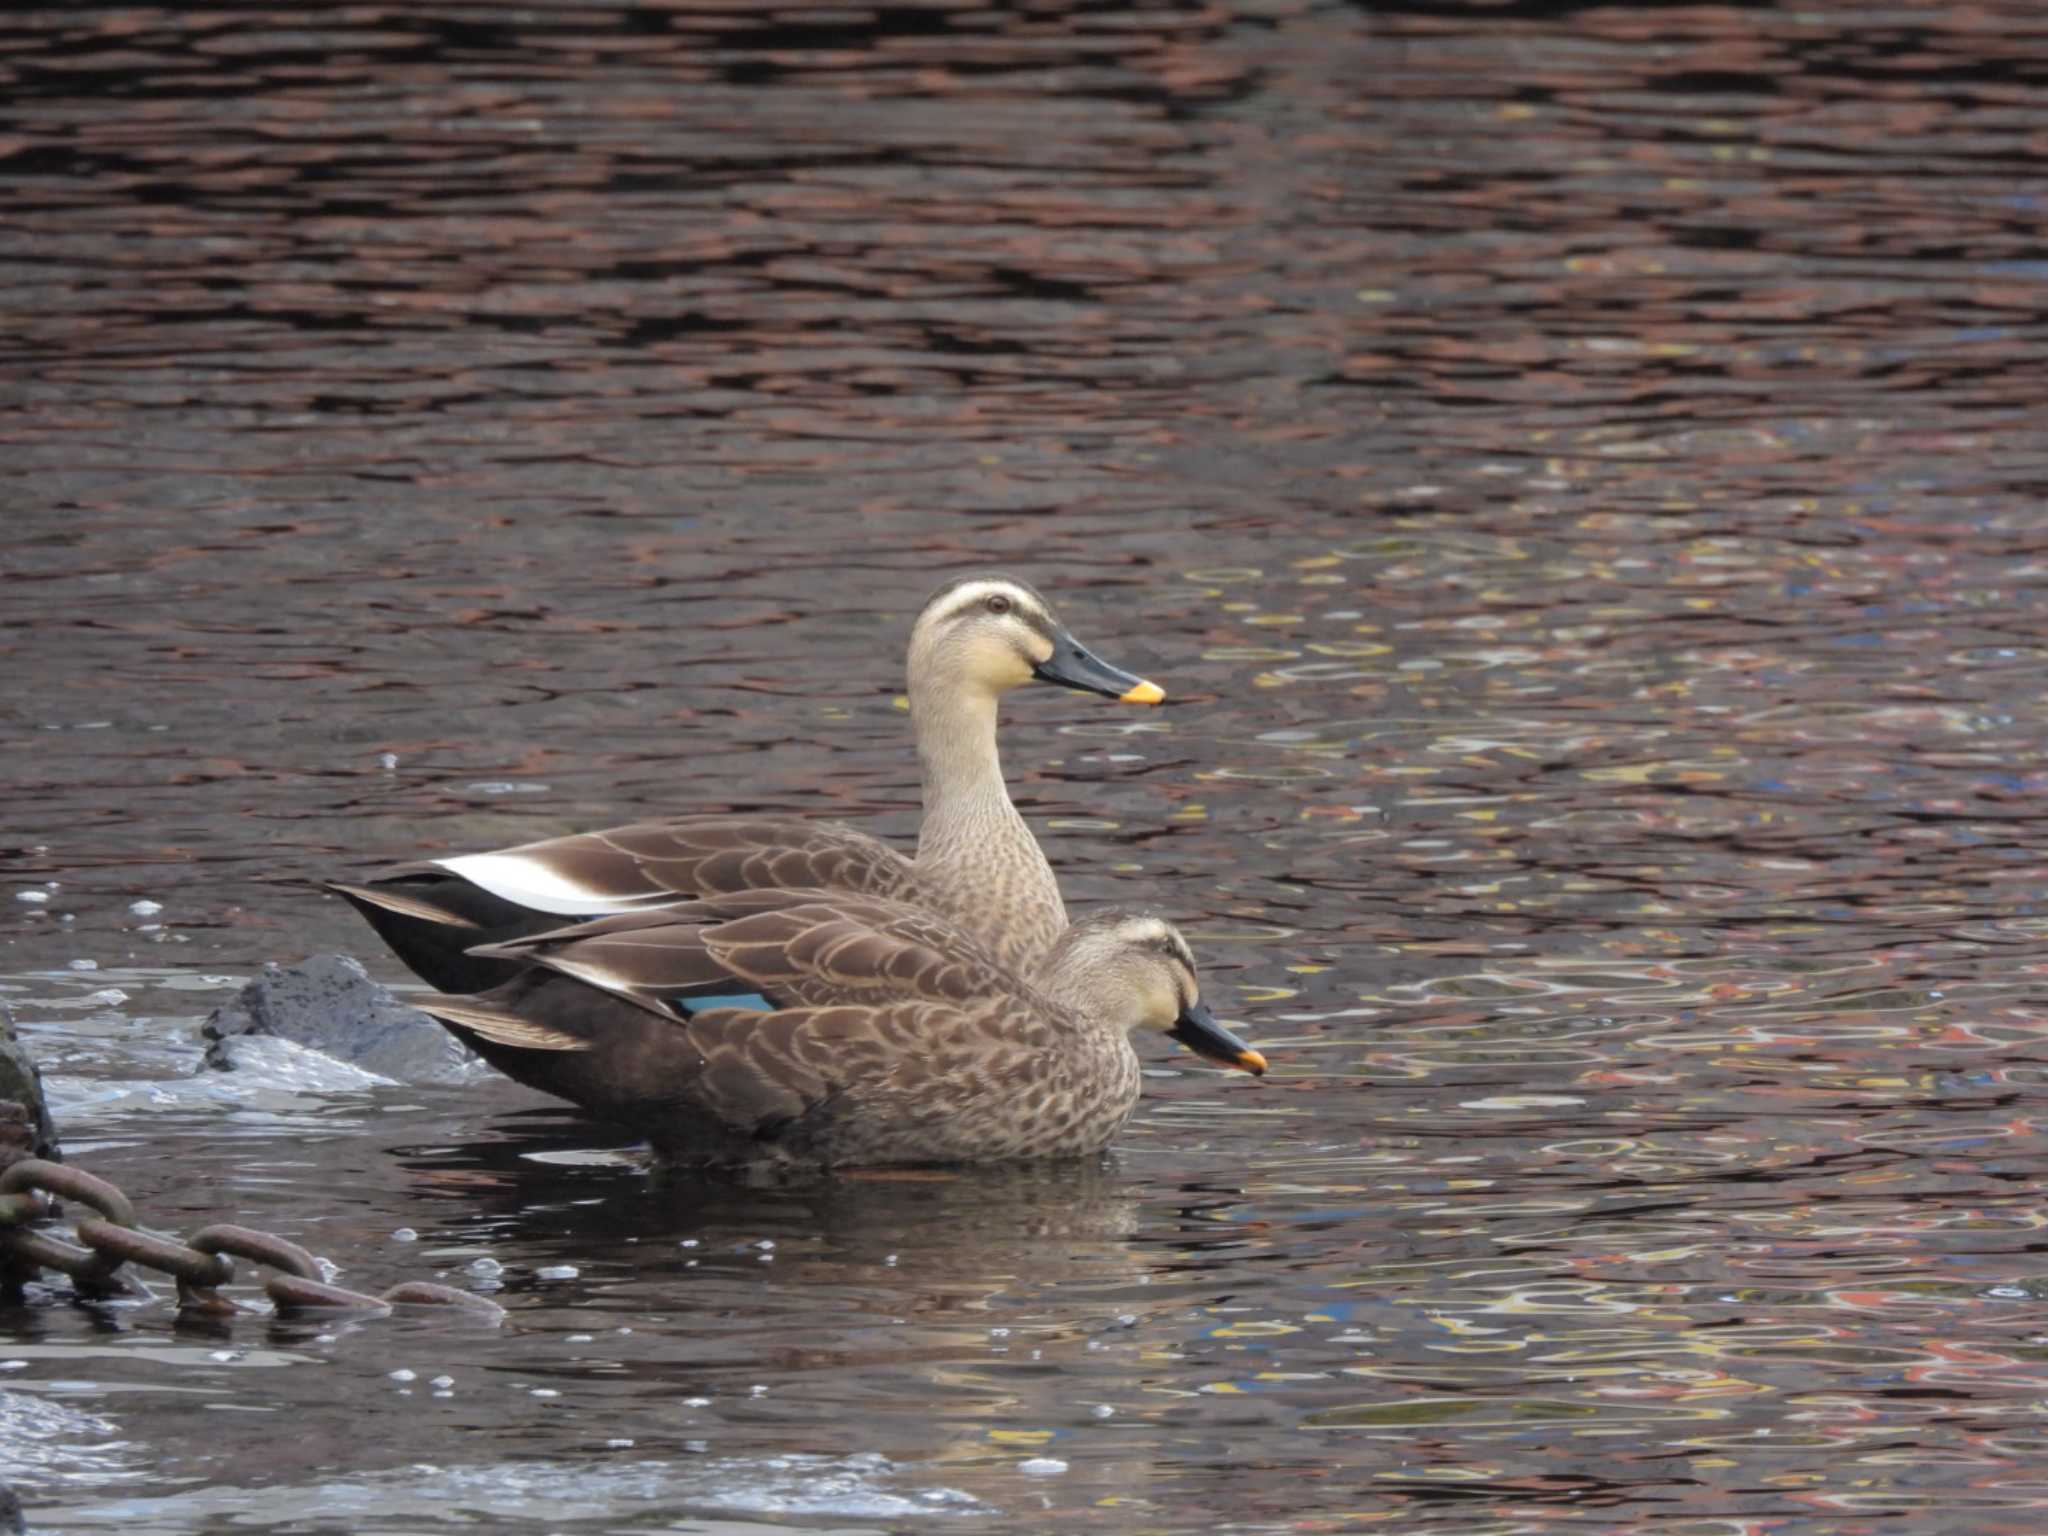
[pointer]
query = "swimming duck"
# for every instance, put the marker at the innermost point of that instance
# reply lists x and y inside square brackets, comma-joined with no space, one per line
[976,862]
[888,1035]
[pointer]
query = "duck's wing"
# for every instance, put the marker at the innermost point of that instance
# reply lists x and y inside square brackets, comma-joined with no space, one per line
[769,950]
[659,862]
[434,914]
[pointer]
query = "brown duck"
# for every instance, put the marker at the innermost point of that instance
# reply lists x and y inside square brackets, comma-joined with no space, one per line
[880,1033]
[977,863]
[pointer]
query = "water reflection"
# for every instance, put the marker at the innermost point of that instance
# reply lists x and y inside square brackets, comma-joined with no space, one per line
[1599,1256]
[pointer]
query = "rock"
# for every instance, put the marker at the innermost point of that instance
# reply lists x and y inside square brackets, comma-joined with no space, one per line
[11,1522]
[328,1003]
[26,1129]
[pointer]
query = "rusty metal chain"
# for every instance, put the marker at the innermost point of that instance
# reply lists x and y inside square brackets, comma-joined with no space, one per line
[111,1240]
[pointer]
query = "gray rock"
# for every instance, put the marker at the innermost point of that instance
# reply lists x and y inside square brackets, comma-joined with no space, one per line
[328,1003]
[26,1129]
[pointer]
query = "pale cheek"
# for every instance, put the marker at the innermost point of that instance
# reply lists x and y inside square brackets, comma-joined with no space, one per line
[995,663]
[1011,668]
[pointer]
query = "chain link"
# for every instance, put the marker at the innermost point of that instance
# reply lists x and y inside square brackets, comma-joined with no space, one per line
[20,1209]
[202,1265]
[91,1273]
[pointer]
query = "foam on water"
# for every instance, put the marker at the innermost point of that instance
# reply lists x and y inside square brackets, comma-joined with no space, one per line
[549,1495]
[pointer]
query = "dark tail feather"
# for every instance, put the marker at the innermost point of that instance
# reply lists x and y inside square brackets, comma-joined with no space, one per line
[430,921]
[614,1058]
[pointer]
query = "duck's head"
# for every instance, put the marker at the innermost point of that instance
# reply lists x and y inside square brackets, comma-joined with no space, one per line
[995,633]
[1136,969]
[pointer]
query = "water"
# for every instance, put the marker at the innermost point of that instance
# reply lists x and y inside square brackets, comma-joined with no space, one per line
[1577,479]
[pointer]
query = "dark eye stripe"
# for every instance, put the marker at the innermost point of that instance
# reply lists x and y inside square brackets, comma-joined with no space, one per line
[1174,948]
[966,610]
[1020,608]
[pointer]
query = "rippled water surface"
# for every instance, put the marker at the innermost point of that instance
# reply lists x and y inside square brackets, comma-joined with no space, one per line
[1576,471]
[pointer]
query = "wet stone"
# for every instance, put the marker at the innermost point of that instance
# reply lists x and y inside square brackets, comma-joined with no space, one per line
[328,1003]
[26,1129]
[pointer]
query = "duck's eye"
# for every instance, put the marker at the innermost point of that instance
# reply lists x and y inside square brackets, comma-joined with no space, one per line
[995,602]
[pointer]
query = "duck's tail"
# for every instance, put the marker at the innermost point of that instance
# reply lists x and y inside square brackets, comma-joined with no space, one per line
[432,919]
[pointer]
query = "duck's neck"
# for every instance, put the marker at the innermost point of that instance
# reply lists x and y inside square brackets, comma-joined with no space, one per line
[975,852]
[1096,999]
[1074,986]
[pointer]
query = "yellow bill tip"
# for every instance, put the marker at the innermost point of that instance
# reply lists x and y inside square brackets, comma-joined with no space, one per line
[1253,1062]
[1143,693]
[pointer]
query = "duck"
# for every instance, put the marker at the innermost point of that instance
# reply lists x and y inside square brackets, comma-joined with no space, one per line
[887,1035]
[977,862]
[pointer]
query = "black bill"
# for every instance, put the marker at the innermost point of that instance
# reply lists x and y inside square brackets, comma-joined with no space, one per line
[1198,1030]
[1073,665]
